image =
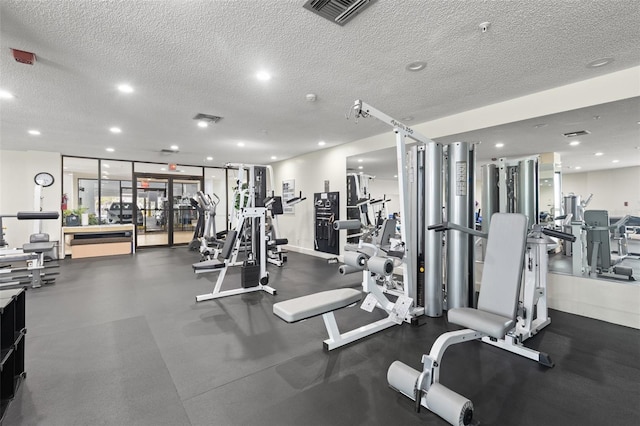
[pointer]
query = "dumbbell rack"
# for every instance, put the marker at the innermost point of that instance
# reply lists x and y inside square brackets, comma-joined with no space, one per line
[12,336]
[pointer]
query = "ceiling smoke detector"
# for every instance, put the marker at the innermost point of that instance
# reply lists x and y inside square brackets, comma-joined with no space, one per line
[207,118]
[337,11]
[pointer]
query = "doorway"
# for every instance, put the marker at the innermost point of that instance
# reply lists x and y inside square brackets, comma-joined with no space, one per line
[166,215]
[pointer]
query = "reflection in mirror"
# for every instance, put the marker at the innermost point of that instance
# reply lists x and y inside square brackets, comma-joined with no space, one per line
[604,161]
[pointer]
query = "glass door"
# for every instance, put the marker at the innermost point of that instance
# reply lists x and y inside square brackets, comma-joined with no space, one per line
[166,215]
[152,199]
[185,214]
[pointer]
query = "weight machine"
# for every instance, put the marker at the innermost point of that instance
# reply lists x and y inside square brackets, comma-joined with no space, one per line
[249,234]
[32,253]
[506,315]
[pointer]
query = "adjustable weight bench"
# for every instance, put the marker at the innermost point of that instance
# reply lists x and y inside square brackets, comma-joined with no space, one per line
[322,303]
[491,321]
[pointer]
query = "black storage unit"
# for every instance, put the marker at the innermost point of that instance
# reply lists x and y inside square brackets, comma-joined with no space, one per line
[327,211]
[12,334]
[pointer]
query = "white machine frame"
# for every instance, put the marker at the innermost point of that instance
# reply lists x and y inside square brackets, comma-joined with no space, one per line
[248,213]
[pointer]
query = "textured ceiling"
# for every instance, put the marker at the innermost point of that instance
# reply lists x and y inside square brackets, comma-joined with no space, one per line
[188,57]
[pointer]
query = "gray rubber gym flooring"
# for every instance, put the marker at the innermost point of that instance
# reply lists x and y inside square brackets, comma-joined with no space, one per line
[121,341]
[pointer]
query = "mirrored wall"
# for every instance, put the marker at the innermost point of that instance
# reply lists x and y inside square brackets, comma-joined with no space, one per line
[594,150]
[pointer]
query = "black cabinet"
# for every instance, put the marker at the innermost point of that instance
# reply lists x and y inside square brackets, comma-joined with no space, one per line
[12,333]
[327,211]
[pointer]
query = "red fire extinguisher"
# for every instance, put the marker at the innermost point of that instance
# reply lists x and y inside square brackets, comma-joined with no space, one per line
[63,205]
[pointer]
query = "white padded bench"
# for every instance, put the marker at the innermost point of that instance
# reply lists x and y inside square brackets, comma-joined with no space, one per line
[304,307]
[324,303]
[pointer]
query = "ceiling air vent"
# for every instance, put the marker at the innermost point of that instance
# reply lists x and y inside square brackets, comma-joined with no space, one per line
[577,133]
[169,151]
[338,11]
[208,118]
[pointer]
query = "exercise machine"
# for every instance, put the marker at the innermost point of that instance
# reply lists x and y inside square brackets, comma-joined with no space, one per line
[205,238]
[249,234]
[371,261]
[598,237]
[499,318]
[360,205]
[35,272]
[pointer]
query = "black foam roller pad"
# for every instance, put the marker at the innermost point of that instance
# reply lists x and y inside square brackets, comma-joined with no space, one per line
[37,215]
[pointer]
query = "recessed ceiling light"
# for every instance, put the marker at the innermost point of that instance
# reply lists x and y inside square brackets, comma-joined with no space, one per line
[65,168]
[360,160]
[577,167]
[182,171]
[574,143]
[104,172]
[106,165]
[263,76]
[598,154]
[599,62]
[125,88]
[6,95]
[541,125]
[273,157]
[499,145]
[203,124]
[109,149]
[115,130]
[240,144]
[34,132]
[322,143]
[174,147]
[360,167]
[407,118]
[163,169]
[615,161]
[416,66]
[105,177]
[395,176]
[209,158]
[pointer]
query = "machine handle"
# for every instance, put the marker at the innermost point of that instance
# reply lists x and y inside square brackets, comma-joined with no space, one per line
[559,234]
[439,227]
[37,215]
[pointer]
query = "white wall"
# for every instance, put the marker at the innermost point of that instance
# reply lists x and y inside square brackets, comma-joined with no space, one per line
[17,170]
[611,189]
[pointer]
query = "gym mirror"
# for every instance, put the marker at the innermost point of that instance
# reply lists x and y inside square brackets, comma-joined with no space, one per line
[593,150]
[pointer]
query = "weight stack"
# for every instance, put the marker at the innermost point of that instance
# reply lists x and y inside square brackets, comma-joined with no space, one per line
[250,275]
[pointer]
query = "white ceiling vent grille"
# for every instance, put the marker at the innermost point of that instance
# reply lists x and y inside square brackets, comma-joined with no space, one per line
[577,133]
[338,11]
